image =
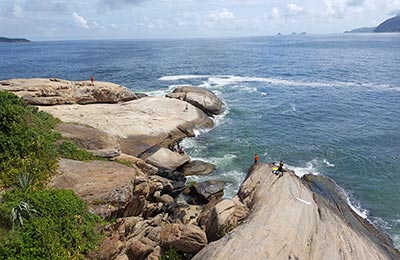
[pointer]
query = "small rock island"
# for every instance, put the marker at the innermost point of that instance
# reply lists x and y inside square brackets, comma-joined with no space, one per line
[13,40]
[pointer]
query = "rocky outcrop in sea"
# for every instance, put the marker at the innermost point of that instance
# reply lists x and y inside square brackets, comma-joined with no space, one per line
[142,184]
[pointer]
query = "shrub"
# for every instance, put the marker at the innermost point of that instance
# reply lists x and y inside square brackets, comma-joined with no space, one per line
[70,151]
[60,228]
[27,142]
[171,254]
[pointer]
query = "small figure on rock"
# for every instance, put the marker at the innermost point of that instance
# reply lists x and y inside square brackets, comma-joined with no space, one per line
[255,158]
[92,80]
[186,108]
[181,151]
[280,170]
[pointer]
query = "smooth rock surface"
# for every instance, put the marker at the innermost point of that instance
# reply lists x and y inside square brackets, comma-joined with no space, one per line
[197,167]
[167,160]
[286,222]
[106,186]
[44,91]
[139,124]
[198,97]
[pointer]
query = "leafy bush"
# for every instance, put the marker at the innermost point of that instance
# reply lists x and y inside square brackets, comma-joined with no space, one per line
[60,228]
[70,151]
[171,254]
[27,142]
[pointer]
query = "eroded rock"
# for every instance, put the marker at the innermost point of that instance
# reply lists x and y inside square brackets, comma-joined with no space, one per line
[198,97]
[48,92]
[186,238]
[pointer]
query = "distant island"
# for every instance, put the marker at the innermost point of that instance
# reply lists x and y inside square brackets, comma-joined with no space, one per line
[13,40]
[362,30]
[390,25]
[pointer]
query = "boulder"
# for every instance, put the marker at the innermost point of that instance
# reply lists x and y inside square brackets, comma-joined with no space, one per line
[202,98]
[186,238]
[106,186]
[139,163]
[222,217]
[109,249]
[155,255]
[167,159]
[48,92]
[208,190]
[197,168]
[138,250]
[87,137]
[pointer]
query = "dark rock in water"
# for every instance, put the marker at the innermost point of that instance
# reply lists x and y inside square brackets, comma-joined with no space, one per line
[208,190]
[332,197]
[390,25]
[197,168]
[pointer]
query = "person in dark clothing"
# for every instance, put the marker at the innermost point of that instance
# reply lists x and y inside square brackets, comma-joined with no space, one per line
[255,158]
[280,169]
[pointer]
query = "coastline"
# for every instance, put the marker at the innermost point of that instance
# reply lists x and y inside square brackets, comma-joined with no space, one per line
[113,119]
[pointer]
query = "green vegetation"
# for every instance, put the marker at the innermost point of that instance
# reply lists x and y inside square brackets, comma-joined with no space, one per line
[27,142]
[70,151]
[172,254]
[35,222]
[51,224]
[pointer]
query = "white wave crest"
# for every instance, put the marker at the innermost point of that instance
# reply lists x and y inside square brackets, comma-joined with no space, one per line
[309,168]
[180,77]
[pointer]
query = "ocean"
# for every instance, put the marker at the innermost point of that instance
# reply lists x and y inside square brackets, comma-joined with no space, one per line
[325,104]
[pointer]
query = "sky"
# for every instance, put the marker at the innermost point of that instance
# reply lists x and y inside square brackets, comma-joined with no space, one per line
[140,19]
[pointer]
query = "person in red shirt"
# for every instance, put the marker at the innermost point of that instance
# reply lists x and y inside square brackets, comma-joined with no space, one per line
[255,158]
[92,80]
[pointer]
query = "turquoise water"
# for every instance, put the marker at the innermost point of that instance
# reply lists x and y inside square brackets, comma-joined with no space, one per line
[324,104]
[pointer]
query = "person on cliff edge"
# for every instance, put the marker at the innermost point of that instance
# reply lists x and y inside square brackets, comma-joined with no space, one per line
[92,80]
[255,158]
[280,169]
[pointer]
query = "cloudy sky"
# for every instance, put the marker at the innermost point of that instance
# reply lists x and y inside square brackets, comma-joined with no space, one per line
[134,19]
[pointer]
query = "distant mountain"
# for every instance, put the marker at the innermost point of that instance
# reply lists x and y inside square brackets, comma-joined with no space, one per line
[390,25]
[10,40]
[362,30]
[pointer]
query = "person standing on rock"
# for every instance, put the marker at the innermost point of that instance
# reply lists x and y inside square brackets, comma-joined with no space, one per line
[255,158]
[186,108]
[280,169]
[92,80]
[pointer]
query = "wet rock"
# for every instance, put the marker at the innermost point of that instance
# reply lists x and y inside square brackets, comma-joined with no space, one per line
[167,159]
[197,168]
[186,238]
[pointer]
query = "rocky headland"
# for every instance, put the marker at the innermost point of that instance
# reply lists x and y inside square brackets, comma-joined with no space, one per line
[141,184]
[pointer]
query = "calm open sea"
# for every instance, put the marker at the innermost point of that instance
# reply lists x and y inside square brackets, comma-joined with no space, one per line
[324,104]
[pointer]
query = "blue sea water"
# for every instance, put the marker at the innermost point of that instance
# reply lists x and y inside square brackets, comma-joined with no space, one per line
[323,104]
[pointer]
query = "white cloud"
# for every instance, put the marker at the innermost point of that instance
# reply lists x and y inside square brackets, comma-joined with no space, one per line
[220,15]
[80,21]
[17,11]
[275,14]
[293,10]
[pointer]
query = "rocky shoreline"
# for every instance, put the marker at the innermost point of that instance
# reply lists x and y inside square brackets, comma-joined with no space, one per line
[141,184]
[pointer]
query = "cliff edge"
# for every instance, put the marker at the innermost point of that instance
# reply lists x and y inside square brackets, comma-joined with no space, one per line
[289,221]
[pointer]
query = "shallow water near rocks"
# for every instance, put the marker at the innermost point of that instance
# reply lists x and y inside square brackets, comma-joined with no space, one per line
[323,104]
